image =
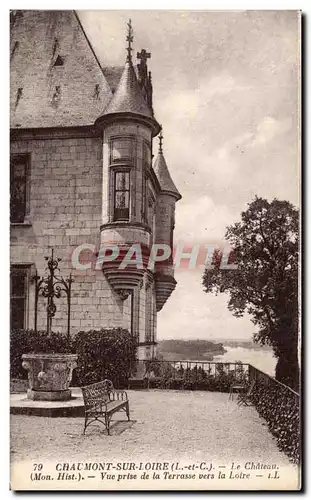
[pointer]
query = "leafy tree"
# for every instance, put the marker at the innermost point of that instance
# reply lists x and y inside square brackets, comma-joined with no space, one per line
[265,282]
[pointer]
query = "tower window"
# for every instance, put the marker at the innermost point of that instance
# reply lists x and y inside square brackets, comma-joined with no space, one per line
[18,187]
[121,150]
[18,296]
[122,195]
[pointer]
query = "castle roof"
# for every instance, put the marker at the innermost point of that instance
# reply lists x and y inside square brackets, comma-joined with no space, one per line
[128,99]
[113,75]
[128,96]
[161,170]
[56,78]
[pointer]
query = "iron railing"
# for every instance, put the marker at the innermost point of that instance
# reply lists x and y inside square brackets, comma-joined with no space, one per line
[194,369]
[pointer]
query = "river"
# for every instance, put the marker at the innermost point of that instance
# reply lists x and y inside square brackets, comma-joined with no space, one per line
[262,359]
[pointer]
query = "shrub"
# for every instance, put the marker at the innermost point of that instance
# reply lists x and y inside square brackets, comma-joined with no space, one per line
[30,341]
[280,407]
[105,353]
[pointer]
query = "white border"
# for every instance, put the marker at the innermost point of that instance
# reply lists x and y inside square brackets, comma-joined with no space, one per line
[304,5]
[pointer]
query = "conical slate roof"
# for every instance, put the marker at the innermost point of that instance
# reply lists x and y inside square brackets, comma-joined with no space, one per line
[161,170]
[128,99]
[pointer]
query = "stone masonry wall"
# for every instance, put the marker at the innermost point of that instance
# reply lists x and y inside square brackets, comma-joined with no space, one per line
[65,211]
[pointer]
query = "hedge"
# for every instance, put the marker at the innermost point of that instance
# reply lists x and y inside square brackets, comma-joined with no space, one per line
[280,407]
[105,353]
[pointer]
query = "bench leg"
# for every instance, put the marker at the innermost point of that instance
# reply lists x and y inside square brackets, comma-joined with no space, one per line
[85,422]
[107,422]
[127,409]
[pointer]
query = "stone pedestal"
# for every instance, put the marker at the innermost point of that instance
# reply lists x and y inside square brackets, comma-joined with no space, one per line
[49,395]
[49,376]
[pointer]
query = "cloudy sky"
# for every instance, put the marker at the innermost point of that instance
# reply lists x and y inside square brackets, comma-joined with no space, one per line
[226,93]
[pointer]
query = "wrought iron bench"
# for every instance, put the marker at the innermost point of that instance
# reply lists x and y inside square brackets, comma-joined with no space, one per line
[101,401]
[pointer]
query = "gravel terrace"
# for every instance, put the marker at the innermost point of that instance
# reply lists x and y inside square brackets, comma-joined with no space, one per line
[167,425]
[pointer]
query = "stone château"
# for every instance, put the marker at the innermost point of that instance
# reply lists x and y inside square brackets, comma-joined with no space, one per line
[82,173]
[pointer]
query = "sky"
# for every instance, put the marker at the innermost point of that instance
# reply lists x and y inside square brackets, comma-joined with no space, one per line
[225,87]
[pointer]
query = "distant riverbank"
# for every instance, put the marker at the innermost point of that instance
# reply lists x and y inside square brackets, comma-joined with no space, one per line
[204,350]
[261,359]
[221,351]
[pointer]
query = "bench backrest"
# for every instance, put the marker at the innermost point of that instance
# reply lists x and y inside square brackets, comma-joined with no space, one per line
[97,392]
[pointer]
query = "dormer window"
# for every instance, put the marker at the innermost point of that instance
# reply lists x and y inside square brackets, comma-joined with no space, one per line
[59,61]
[15,47]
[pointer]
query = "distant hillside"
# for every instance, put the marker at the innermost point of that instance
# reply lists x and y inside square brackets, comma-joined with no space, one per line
[189,349]
[246,344]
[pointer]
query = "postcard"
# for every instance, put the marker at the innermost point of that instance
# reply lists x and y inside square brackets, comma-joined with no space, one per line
[154,250]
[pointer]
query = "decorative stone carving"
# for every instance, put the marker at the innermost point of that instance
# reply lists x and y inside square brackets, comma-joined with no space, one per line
[123,293]
[49,375]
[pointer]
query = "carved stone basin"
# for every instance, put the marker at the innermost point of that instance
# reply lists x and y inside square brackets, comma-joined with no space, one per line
[49,375]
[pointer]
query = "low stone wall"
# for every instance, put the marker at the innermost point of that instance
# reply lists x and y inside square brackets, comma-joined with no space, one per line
[280,407]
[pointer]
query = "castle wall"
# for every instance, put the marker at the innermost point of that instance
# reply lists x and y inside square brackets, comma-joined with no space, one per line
[65,211]
[85,185]
[65,202]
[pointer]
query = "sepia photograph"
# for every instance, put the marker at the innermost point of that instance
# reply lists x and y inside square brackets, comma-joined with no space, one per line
[155,250]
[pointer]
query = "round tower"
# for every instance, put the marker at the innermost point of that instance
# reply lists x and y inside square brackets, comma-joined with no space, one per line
[165,223]
[129,193]
[128,126]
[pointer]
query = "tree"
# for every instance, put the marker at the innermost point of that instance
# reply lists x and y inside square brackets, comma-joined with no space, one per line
[265,283]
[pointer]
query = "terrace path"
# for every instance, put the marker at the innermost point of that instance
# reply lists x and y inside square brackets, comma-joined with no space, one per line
[168,425]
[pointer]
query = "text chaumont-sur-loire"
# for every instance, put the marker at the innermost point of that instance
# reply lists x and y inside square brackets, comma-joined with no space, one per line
[131,471]
[125,466]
